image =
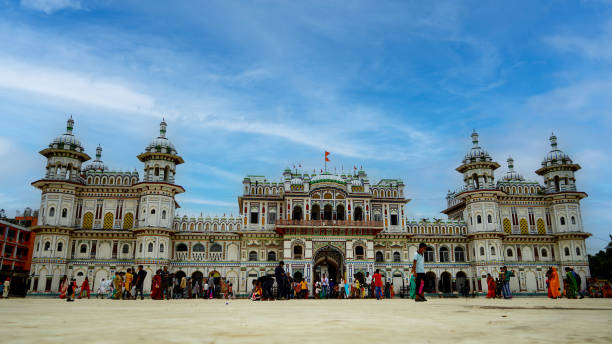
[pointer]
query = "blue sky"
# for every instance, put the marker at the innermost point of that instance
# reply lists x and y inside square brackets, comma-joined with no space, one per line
[254,87]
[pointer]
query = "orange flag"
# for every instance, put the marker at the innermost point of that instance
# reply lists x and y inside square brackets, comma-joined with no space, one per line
[326,154]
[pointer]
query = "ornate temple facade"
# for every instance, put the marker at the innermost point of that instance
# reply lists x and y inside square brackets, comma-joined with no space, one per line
[93,222]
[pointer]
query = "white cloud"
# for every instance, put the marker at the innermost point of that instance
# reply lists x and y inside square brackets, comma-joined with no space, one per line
[592,46]
[50,6]
[89,89]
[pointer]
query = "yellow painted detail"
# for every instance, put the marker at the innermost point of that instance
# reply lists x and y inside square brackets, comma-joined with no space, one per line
[507,226]
[541,227]
[523,226]
[128,221]
[88,221]
[108,221]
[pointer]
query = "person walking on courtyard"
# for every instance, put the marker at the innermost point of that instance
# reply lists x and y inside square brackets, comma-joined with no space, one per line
[578,283]
[571,284]
[165,283]
[205,289]
[378,284]
[182,286]
[418,269]
[304,288]
[63,289]
[280,277]
[7,288]
[156,285]
[490,287]
[412,286]
[325,287]
[84,288]
[554,284]
[117,285]
[70,291]
[368,286]
[128,284]
[141,275]
[506,282]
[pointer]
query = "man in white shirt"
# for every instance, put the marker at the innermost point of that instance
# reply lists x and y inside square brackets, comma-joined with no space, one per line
[368,286]
[418,269]
[325,283]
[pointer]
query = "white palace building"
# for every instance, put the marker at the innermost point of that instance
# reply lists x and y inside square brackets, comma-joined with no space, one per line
[94,222]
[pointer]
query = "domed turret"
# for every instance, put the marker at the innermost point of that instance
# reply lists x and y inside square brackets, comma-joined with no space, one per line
[97,164]
[65,154]
[558,169]
[477,167]
[160,158]
[555,156]
[512,175]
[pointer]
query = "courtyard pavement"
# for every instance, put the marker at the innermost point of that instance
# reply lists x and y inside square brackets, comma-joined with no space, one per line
[521,320]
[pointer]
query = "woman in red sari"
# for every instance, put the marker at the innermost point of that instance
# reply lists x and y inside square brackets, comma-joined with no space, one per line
[490,287]
[63,287]
[156,286]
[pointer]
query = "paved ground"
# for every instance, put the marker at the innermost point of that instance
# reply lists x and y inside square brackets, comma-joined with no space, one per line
[520,320]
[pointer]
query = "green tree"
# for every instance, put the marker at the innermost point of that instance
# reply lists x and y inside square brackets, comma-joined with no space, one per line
[601,263]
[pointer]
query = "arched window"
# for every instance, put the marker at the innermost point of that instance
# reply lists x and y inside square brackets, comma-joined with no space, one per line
[181,248]
[216,248]
[118,180]
[83,248]
[478,219]
[140,249]
[482,252]
[297,252]
[573,219]
[358,214]
[557,187]
[166,172]
[340,212]
[429,254]
[509,253]
[51,212]
[577,251]
[152,211]
[327,211]
[253,256]
[161,248]
[492,250]
[150,248]
[544,253]
[297,213]
[198,248]
[444,255]
[489,218]
[359,252]
[397,257]
[271,256]
[125,249]
[562,220]
[379,257]
[156,171]
[567,251]
[47,246]
[459,254]
[163,214]
[315,212]
[65,213]
[475,179]
[60,247]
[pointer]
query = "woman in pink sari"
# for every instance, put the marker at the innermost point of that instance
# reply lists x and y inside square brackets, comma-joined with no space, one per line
[156,286]
[63,287]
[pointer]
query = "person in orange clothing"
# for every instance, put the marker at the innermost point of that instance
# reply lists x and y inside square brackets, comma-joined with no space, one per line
[555,287]
[84,288]
[128,285]
[491,287]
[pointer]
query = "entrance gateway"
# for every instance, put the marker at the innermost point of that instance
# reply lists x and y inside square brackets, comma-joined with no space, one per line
[328,260]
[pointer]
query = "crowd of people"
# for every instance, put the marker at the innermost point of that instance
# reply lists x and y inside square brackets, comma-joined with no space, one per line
[165,285]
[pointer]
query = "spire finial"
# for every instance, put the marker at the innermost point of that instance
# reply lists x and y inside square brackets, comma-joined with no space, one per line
[162,128]
[474,138]
[510,163]
[69,125]
[553,141]
[98,152]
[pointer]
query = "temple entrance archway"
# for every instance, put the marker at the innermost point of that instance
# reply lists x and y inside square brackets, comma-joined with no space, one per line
[445,282]
[430,282]
[329,261]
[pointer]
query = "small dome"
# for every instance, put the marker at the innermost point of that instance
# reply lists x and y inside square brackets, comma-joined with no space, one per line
[555,156]
[67,140]
[98,164]
[512,175]
[476,154]
[161,144]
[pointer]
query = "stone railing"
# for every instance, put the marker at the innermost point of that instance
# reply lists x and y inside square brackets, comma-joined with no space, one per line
[198,256]
[215,256]
[328,223]
[183,255]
